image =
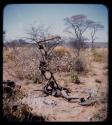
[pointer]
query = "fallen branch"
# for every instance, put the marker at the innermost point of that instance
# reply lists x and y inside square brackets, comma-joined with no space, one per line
[87,102]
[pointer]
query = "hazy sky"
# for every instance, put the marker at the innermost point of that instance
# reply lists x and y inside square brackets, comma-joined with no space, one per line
[18,17]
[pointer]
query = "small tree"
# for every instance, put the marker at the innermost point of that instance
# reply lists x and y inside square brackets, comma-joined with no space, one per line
[94,28]
[43,41]
[78,44]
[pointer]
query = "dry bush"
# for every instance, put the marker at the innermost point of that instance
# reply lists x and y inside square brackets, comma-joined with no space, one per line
[13,108]
[79,65]
[62,60]
[35,77]
[74,77]
[8,55]
[20,112]
[100,115]
[82,63]
[25,63]
[61,51]
[61,65]
[67,60]
[100,55]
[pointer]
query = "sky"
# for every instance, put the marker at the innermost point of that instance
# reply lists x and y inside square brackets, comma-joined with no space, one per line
[17,18]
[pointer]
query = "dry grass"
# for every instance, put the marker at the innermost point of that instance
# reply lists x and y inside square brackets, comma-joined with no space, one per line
[24,62]
[8,55]
[100,115]
[100,55]
[74,77]
[61,51]
[82,63]
[12,107]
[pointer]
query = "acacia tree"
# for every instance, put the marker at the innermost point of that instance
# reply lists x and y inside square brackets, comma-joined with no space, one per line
[94,28]
[77,26]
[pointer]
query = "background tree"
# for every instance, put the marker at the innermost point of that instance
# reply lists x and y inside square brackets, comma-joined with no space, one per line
[77,26]
[94,28]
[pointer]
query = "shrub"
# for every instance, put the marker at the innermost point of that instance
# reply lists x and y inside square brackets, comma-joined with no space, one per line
[99,115]
[36,77]
[19,73]
[25,64]
[8,55]
[74,77]
[80,65]
[61,64]
[99,55]
[61,51]
[65,83]
[14,109]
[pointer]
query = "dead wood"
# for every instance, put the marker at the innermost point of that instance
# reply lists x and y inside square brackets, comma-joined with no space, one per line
[66,96]
[52,87]
[87,102]
[57,37]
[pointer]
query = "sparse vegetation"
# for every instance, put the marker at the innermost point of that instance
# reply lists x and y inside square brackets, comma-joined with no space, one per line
[61,51]
[62,73]
[99,56]
[100,115]
[13,109]
[81,64]
[74,77]
[8,55]
[25,67]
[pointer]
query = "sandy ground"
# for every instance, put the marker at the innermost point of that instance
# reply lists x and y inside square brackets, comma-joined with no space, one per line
[58,109]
